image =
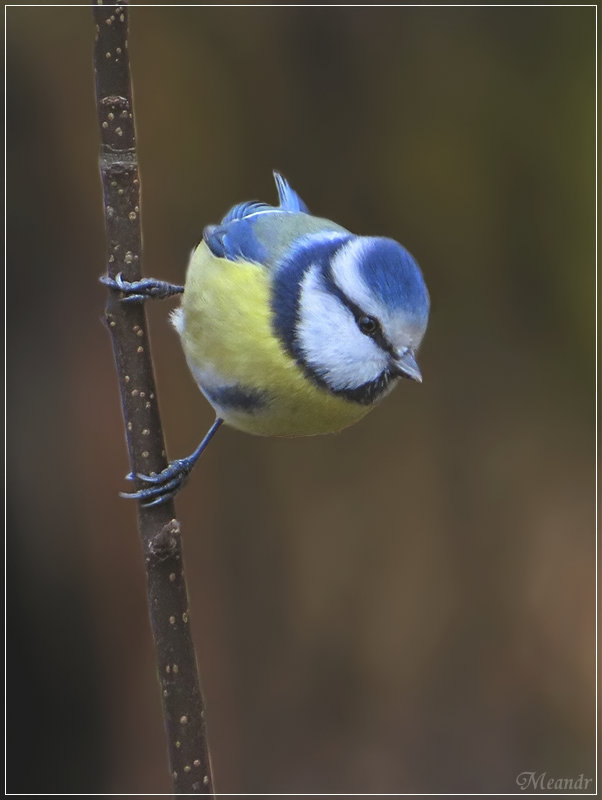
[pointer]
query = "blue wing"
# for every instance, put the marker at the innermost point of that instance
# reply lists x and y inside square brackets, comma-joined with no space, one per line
[250,230]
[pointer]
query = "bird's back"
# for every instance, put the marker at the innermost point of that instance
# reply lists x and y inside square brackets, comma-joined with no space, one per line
[265,234]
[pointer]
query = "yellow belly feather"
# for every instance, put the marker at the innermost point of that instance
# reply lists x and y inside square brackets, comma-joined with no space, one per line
[225,327]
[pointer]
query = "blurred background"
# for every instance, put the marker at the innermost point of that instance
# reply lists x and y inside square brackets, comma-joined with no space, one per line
[408,606]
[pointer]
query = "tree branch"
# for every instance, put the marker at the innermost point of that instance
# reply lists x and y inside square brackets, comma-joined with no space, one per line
[159,530]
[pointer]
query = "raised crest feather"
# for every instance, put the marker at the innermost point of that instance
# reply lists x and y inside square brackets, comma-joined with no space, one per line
[289,199]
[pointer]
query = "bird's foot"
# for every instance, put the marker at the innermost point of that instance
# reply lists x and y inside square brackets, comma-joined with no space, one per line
[136,291]
[164,485]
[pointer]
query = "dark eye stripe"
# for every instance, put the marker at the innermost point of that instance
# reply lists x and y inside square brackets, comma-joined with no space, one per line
[378,336]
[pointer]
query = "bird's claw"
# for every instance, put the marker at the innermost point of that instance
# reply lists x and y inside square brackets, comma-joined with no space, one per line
[163,486]
[136,291]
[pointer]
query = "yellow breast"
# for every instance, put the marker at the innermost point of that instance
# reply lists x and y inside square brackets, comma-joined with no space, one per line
[226,332]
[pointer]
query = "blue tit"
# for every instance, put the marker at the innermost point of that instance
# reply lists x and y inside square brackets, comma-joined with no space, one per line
[290,324]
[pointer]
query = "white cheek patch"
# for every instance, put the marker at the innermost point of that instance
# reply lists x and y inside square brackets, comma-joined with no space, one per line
[330,341]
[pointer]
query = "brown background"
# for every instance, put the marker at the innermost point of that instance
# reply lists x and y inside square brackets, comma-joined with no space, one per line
[408,606]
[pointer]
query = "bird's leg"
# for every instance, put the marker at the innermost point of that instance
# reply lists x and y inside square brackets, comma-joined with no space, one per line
[136,291]
[166,484]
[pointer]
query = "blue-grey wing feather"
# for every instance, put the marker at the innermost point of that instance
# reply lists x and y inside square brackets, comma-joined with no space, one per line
[261,233]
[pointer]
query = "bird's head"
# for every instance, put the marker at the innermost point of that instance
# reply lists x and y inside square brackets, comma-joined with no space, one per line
[352,311]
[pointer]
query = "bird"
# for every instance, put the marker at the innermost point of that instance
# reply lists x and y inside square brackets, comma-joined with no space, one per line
[290,324]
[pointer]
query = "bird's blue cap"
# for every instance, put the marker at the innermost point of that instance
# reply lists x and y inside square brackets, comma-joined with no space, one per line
[394,276]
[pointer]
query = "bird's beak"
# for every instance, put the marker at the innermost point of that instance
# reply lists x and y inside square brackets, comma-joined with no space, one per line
[406,367]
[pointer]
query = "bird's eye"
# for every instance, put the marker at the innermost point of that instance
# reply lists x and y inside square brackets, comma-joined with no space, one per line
[367,325]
